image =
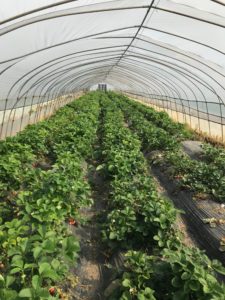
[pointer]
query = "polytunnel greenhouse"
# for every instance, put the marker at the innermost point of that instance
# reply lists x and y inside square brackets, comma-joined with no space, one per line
[112,158]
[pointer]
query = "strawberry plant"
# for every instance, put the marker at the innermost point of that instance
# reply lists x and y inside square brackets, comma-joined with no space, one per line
[136,211]
[160,119]
[215,156]
[137,214]
[35,136]
[182,274]
[152,136]
[36,248]
[158,132]
[199,176]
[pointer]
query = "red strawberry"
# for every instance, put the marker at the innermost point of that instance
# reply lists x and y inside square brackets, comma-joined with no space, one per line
[72,221]
[52,291]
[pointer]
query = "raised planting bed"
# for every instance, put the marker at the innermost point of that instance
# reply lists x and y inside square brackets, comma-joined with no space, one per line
[84,219]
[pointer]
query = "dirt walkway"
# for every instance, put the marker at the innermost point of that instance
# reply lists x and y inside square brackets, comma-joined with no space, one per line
[93,260]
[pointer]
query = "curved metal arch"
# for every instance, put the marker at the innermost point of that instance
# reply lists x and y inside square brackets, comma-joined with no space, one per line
[12,110]
[159,53]
[7,68]
[81,74]
[190,76]
[163,55]
[153,83]
[47,63]
[183,54]
[218,2]
[33,76]
[55,16]
[18,98]
[63,79]
[48,67]
[148,10]
[188,65]
[132,62]
[182,83]
[94,81]
[151,29]
[49,82]
[142,83]
[36,10]
[197,89]
[10,113]
[67,70]
[160,75]
[173,87]
[207,74]
[67,42]
[194,94]
[163,64]
[166,71]
[72,78]
[159,93]
[220,100]
[60,68]
[151,76]
[124,78]
[127,28]
[184,38]
[149,91]
[188,16]
[186,85]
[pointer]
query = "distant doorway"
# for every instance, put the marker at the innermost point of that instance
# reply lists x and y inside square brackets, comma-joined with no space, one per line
[102,87]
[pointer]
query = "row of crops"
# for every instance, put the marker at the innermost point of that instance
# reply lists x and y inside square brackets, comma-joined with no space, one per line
[36,247]
[44,184]
[157,132]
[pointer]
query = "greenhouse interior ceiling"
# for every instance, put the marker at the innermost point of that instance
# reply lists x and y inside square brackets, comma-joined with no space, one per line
[168,52]
[112,150]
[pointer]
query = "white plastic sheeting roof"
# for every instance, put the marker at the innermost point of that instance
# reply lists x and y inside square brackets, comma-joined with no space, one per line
[166,49]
